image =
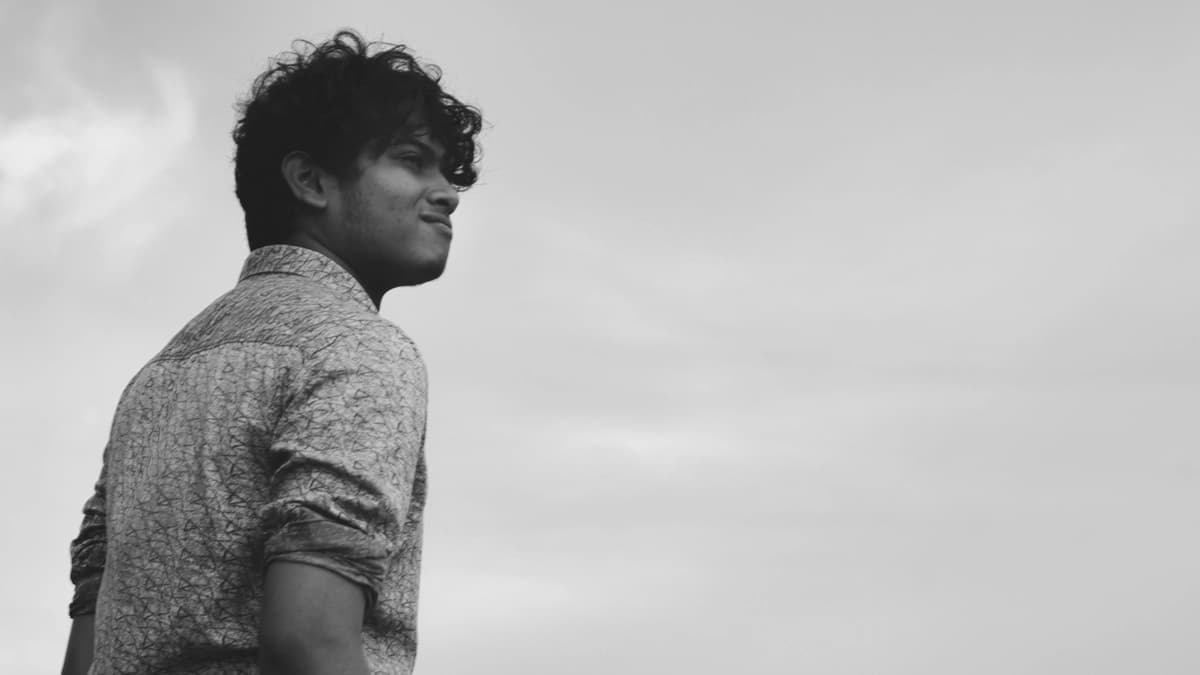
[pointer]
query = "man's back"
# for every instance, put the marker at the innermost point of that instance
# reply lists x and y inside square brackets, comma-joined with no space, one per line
[284,423]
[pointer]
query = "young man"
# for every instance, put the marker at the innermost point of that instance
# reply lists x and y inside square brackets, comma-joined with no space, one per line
[260,501]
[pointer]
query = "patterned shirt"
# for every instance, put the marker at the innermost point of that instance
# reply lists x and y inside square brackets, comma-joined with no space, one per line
[284,422]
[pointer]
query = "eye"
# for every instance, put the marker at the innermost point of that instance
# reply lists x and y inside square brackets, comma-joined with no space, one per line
[407,155]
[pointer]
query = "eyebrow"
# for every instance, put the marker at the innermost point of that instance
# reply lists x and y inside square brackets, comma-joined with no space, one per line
[429,149]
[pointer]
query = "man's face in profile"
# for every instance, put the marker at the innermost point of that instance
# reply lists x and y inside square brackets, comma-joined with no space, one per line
[394,213]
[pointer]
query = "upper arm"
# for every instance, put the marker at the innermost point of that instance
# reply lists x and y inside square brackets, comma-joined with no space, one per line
[343,458]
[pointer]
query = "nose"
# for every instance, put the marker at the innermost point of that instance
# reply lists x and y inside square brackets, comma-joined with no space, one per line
[444,196]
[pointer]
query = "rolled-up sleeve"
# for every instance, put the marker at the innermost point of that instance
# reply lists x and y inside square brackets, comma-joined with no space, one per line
[343,459]
[88,551]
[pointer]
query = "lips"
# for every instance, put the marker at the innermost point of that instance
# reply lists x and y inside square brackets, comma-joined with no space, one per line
[439,219]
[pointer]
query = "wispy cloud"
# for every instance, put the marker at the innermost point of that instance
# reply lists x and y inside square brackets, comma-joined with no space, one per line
[70,161]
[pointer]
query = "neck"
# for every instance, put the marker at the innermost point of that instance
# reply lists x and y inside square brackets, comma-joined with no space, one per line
[306,240]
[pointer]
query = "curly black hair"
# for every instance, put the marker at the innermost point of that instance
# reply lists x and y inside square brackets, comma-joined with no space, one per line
[334,101]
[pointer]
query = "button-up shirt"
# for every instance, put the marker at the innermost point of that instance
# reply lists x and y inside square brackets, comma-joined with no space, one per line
[286,421]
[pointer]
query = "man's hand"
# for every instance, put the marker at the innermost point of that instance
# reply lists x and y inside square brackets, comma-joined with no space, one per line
[311,622]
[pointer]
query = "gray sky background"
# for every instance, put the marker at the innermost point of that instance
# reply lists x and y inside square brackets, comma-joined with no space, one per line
[828,338]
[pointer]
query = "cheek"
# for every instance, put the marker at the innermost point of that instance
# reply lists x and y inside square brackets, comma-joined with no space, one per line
[368,210]
[357,202]
[407,198]
[392,197]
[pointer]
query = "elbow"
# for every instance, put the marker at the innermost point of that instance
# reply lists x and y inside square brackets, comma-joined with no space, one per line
[304,654]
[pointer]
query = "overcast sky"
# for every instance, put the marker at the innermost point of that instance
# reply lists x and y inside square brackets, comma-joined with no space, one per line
[827,338]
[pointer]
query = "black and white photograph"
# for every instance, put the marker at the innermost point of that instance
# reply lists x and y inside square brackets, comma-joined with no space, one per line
[565,338]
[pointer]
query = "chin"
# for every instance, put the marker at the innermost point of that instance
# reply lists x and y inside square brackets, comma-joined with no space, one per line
[420,274]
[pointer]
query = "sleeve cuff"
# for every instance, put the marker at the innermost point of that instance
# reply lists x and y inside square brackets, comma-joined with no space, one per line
[334,547]
[84,601]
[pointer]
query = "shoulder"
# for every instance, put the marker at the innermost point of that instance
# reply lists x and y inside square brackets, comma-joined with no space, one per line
[326,331]
[302,311]
[371,347]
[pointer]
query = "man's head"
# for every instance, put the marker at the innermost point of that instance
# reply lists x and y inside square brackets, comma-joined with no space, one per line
[354,149]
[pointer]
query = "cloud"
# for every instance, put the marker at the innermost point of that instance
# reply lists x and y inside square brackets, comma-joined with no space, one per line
[71,162]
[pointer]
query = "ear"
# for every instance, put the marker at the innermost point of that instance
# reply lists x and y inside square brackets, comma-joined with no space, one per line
[308,182]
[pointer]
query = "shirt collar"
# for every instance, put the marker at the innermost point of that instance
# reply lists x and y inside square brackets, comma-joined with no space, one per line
[305,262]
